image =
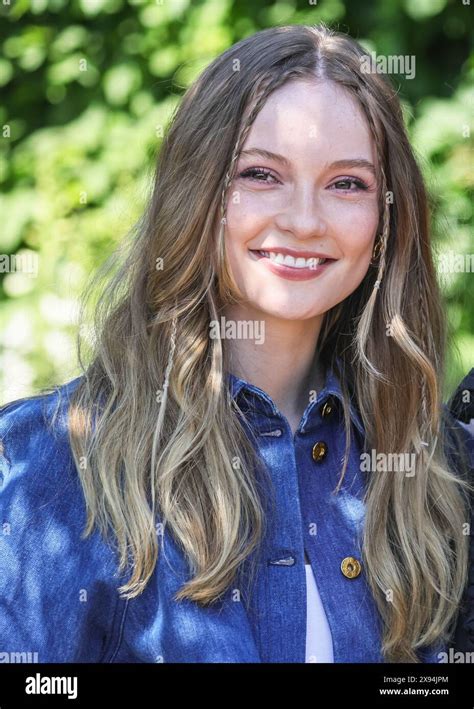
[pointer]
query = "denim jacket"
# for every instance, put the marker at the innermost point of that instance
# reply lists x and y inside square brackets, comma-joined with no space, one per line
[58,592]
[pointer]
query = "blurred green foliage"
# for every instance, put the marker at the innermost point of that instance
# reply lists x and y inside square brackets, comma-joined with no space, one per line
[88,87]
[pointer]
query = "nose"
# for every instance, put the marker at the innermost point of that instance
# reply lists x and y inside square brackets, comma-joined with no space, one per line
[303,214]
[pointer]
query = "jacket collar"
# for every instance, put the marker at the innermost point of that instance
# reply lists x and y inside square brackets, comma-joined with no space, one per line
[331,388]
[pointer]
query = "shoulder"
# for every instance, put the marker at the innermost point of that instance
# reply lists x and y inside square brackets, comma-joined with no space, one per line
[48,570]
[37,469]
[461,403]
[459,424]
[33,430]
[460,416]
[38,408]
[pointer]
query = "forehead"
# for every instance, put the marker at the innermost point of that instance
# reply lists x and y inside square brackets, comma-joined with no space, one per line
[312,118]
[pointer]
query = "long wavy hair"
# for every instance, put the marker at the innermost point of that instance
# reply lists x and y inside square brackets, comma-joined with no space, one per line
[154,430]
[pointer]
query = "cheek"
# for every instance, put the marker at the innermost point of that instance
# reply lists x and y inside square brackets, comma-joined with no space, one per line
[356,230]
[246,217]
[244,224]
[239,229]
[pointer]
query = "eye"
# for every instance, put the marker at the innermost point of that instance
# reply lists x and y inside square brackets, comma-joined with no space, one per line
[350,184]
[252,173]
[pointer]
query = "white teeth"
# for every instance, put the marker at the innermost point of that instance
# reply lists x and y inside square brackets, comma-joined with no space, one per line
[293,262]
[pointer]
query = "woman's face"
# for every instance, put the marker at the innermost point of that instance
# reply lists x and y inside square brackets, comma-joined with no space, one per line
[305,189]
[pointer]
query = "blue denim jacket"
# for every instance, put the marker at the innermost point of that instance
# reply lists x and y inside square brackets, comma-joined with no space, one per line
[58,592]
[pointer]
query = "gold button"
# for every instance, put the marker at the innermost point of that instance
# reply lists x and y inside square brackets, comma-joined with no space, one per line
[350,567]
[319,451]
[326,409]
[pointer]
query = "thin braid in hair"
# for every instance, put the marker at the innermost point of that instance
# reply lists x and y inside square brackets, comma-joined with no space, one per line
[168,368]
[425,425]
[365,99]
[164,399]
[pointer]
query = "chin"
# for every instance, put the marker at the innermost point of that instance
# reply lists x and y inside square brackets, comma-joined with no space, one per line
[288,311]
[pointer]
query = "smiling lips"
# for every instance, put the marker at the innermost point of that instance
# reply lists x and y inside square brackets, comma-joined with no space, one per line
[293,265]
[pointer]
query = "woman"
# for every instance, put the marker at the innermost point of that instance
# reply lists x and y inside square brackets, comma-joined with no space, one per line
[259,438]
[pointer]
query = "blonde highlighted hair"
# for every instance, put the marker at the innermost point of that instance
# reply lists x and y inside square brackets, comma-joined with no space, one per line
[153,417]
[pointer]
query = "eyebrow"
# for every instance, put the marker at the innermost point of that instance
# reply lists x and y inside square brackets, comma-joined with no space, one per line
[354,162]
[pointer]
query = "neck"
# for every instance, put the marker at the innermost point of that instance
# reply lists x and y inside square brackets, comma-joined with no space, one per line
[282,363]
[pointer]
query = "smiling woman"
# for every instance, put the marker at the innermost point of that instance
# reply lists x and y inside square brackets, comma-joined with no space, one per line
[212,464]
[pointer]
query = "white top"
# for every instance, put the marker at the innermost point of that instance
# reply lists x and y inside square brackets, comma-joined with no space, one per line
[318,633]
